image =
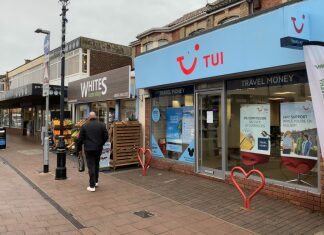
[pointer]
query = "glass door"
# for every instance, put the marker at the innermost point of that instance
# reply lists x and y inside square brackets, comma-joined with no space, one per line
[209,133]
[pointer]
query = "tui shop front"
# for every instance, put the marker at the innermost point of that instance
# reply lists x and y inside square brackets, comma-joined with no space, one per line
[238,95]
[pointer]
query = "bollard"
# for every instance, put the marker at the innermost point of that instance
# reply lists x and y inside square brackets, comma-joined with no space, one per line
[144,161]
[247,200]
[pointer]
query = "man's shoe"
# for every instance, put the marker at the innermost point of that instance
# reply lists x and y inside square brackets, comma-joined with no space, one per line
[97,184]
[91,189]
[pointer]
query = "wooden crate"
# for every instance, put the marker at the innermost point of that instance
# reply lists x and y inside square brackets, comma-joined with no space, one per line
[126,141]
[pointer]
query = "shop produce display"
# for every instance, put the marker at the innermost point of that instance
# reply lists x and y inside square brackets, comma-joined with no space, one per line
[74,136]
[67,131]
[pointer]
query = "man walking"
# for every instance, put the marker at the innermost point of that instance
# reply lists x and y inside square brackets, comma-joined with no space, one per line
[93,135]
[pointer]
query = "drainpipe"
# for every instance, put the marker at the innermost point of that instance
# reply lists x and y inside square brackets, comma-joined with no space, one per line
[250,2]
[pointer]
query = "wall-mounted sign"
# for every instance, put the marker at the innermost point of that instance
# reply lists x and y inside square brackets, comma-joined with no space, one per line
[110,85]
[277,79]
[174,91]
[296,29]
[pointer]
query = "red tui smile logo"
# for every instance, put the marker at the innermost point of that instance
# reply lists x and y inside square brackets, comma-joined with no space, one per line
[192,67]
[298,29]
[213,59]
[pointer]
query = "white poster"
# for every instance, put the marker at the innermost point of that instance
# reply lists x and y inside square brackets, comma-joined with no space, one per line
[298,129]
[255,128]
[314,59]
[210,117]
[105,156]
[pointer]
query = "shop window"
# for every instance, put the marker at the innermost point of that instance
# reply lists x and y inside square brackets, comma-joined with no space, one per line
[40,118]
[127,110]
[271,127]
[82,111]
[16,120]
[4,118]
[100,109]
[172,125]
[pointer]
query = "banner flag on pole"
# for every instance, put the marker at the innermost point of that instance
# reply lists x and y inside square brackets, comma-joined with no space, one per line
[314,59]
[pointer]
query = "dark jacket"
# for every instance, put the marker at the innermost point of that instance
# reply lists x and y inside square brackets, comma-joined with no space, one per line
[93,135]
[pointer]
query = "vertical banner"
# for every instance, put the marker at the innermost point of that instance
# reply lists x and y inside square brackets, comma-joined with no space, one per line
[255,128]
[298,128]
[314,59]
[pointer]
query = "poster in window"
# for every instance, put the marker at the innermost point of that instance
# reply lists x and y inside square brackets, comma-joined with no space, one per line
[188,124]
[174,125]
[298,129]
[255,128]
[105,156]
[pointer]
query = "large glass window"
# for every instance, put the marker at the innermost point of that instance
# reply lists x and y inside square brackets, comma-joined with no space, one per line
[4,118]
[100,109]
[271,127]
[16,120]
[127,109]
[173,125]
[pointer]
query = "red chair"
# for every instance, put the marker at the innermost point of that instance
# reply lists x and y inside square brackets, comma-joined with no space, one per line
[251,159]
[298,166]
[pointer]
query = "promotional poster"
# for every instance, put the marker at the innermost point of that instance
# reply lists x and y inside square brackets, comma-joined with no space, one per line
[298,129]
[174,125]
[105,156]
[255,128]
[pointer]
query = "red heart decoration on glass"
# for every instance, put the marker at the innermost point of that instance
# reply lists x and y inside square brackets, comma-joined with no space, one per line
[144,157]
[247,200]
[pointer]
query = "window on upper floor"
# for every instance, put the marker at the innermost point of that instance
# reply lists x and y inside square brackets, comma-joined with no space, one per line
[162,42]
[196,32]
[228,19]
[147,46]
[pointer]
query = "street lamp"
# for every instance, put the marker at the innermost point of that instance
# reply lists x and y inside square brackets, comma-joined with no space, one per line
[46,94]
[60,173]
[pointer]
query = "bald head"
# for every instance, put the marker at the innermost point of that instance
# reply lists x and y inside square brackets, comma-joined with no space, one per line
[92,115]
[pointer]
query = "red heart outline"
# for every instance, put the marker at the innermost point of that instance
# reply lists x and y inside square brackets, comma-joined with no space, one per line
[247,201]
[148,158]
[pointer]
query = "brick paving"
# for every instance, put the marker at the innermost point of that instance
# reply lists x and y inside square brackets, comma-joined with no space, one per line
[110,210]
[267,216]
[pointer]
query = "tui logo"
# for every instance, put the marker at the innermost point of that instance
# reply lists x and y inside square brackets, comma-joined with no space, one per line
[298,29]
[210,60]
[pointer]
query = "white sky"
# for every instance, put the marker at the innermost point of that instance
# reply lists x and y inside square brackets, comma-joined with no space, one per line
[117,21]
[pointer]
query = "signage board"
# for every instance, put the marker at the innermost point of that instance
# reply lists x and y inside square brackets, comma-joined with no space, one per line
[110,85]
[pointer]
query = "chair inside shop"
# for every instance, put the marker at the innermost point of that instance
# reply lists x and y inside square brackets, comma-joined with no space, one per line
[299,166]
[252,159]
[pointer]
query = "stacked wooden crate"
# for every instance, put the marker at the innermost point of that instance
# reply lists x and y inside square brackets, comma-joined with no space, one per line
[126,141]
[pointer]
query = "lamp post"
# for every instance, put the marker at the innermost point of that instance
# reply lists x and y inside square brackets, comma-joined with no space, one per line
[46,94]
[60,173]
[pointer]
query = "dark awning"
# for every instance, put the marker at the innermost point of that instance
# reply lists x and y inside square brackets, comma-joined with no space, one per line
[29,95]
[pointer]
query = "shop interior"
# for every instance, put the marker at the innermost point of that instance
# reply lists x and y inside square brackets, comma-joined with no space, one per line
[273,166]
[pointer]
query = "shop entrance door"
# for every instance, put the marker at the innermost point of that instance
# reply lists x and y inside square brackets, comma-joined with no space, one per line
[209,111]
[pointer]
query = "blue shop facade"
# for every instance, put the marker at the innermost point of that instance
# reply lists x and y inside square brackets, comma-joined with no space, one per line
[238,95]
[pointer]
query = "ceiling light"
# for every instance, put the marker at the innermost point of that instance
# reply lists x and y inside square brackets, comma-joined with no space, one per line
[277,98]
[284,93]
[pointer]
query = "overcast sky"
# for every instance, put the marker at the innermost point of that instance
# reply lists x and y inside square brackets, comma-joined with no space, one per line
[117,21]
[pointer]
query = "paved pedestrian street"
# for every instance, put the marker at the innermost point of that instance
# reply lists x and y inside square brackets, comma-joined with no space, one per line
[35,203]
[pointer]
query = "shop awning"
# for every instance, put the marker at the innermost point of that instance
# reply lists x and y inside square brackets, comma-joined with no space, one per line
[29,95]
